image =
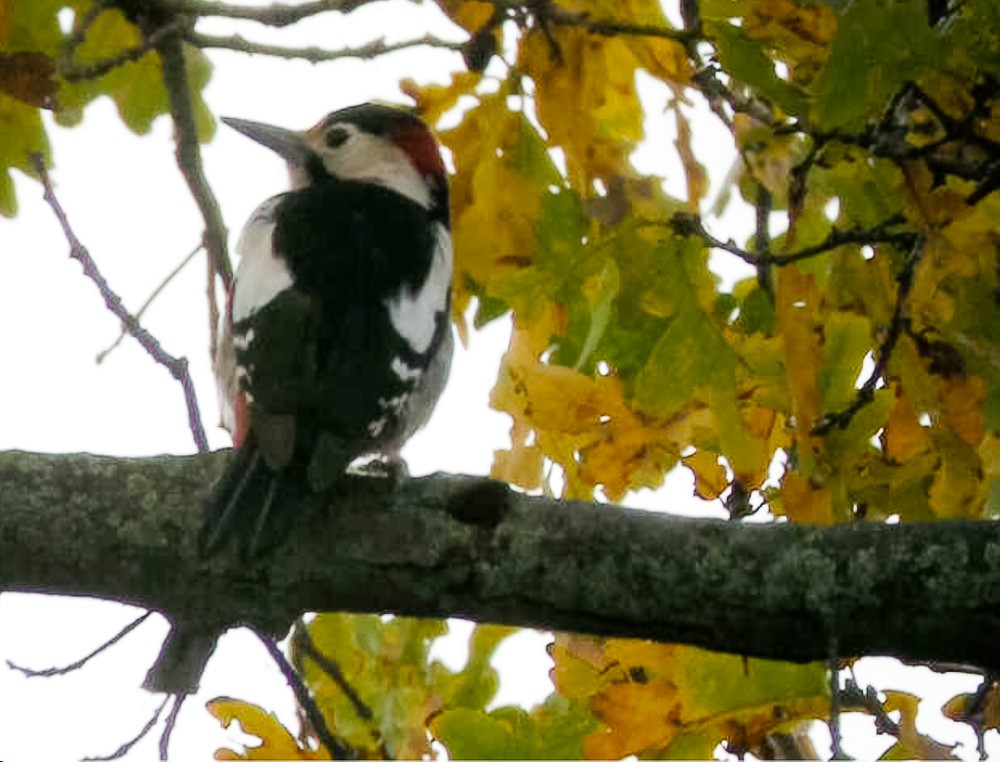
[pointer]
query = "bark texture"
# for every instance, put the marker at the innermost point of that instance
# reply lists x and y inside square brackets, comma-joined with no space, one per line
[459,546]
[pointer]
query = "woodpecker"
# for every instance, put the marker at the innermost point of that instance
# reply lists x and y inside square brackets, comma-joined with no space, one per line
[336,342]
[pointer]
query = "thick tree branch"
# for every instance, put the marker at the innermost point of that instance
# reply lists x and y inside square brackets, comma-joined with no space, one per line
[458,546]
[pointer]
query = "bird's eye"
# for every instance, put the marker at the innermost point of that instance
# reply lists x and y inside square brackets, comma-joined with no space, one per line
[337,136]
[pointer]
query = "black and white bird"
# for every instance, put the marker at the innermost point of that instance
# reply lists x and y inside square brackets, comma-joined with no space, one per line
[336,341]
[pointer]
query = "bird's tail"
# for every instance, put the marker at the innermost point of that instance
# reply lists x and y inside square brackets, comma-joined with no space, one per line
[244,506]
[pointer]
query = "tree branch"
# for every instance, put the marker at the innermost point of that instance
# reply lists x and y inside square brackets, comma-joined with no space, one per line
[276,15]
[177,366]
[458,546]
[171,50]
[370,50]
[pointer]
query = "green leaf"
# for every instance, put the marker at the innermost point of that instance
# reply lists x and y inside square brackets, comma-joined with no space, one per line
[553,730]
[744,59]
[690,354]
[23,135]
[880,45]
[605,292]
[847,339]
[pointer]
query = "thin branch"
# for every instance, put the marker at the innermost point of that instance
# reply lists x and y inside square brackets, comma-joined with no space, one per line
[213,309]
[189,153]
[762,239]
[332,669]
[897,325]
[53,671]
[276,15]
[168,726]
[686,224]
[880,233]
[337,748]
[126,747]
[315,54]
[833,664]
[683,223]
[102,355]
[707,82]
[852,698]
[177,366]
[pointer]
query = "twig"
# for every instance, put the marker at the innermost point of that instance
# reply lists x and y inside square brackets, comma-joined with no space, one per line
[689,224]
[856,235]
[213,309]
[834,723]
[126,747]
[168,726]
[762,239]
[853,698]
[315,54]
[177,366]
[898,323]
[338,749]
[686,224]
[276,15]
[52,671]
[102,355]
[332,669]
[189,154]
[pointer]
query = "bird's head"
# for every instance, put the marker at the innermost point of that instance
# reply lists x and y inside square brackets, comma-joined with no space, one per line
[369,143]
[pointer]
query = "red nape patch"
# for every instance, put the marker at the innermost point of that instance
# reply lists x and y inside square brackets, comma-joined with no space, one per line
[241,413]
[420,145]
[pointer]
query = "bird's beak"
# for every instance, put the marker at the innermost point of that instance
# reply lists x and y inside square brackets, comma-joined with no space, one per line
[288,144]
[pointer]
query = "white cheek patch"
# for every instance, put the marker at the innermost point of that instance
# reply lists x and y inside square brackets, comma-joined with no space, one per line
[414,313]
[261,275]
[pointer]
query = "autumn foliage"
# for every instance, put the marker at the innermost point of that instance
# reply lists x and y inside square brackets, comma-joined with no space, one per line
[853,374]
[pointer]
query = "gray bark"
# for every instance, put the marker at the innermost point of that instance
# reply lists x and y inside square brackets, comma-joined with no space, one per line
[444,545]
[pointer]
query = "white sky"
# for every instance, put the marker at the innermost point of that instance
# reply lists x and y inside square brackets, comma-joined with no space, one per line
[130,207]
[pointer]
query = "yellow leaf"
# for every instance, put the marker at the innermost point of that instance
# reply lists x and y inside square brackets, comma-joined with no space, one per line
[911,744]
[276,742]
[586,98]
[798,309]
[955,492]
[962,407]
[657,700]
[904,437]
[580,668]
[697,177]
[969,708]
[637,715]
[521,465]
[709,475]
[805,502]
[434,100]
[469,14]
[496,196]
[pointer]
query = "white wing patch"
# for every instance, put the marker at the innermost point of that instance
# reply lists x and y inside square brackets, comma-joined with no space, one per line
[261,275]
[403,371]
[414,311]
